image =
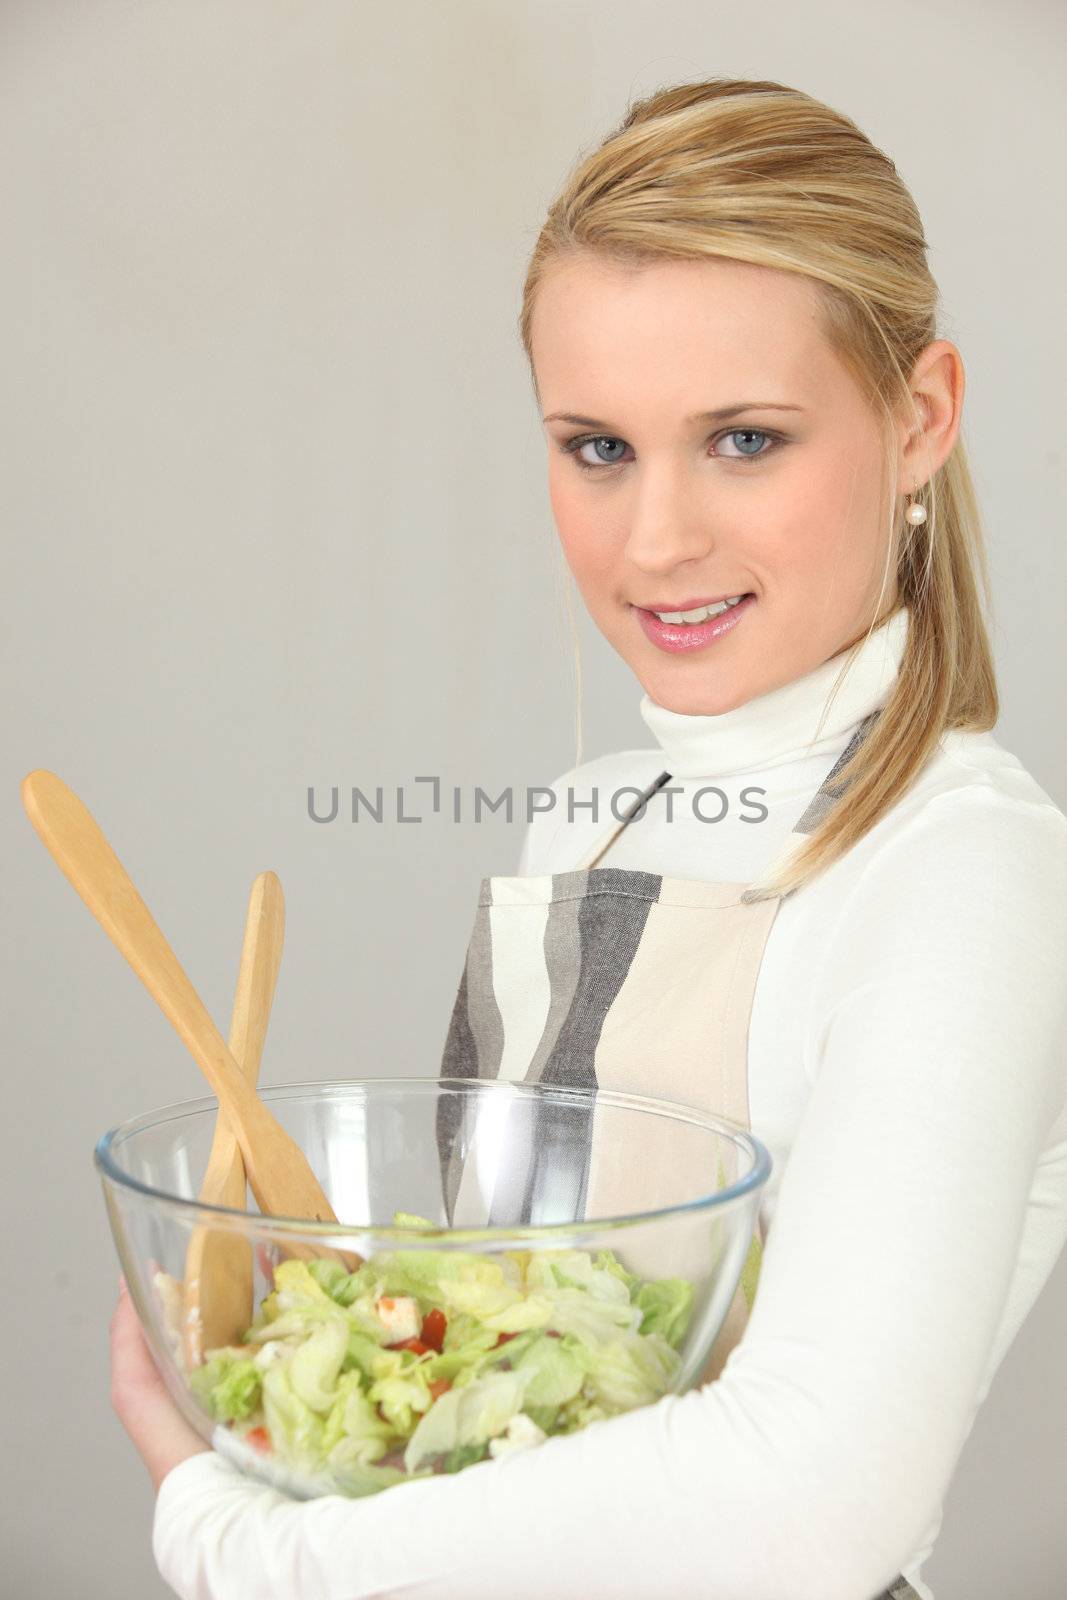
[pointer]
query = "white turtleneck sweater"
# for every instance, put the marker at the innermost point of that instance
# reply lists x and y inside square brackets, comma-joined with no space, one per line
[908,1071]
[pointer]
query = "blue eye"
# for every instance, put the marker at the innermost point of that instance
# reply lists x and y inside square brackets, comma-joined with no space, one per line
[579,444]
[741,433]
[573,446]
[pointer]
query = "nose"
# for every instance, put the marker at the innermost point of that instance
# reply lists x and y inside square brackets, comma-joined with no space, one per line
[668,525]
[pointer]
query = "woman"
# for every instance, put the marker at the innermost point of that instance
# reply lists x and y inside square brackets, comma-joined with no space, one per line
[731,329]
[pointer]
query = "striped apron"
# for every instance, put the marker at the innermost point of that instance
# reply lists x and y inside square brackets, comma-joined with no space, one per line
[604,978]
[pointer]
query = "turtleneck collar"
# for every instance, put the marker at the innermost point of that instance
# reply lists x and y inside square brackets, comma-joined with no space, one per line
[780,726]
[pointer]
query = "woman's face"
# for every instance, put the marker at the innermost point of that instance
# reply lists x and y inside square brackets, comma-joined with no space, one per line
[660,509]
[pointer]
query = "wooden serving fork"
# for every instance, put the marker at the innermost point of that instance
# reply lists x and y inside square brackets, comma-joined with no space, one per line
[217,1291]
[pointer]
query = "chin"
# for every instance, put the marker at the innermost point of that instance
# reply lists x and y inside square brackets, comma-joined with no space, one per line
[709,707]
[696,700]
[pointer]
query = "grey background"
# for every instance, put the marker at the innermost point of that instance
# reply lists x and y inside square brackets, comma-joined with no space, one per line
[274,514]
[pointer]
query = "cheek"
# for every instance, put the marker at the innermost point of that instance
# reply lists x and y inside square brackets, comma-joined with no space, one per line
[817,519]
[563,512]
[585,541]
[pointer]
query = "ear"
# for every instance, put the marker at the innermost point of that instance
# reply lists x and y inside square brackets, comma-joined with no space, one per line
[936,386]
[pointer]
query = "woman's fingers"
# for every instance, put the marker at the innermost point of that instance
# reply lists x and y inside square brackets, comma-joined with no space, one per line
[159,1432]
[133,1372]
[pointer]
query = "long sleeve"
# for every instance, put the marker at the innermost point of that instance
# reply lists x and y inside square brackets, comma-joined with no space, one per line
[938,1067]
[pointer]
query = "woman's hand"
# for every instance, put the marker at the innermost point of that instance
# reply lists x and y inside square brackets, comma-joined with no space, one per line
[160,1433]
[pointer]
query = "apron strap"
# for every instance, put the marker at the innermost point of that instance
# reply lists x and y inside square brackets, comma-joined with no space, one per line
[605,841]
[814,813]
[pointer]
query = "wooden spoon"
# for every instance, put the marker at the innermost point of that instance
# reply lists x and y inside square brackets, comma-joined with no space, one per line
[278,1171]
[217,1293]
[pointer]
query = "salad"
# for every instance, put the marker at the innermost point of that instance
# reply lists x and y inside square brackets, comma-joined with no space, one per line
[426,1361]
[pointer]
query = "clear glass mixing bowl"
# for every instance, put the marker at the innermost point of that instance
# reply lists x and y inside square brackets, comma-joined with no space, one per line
[579,1251]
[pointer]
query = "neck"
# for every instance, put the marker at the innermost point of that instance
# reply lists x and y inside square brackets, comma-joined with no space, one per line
[796,719]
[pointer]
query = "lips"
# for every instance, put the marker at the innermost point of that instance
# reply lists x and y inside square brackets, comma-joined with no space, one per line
[683,637]
[691,605]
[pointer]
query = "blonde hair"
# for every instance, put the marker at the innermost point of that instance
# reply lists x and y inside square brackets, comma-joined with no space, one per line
[761,173]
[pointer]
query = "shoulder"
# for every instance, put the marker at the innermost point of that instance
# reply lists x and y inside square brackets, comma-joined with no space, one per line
[947,945]
[978,804]
[974,807]
[967,870]
[967,759]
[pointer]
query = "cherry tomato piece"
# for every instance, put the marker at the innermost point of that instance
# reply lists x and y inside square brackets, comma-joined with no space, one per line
[433,1329]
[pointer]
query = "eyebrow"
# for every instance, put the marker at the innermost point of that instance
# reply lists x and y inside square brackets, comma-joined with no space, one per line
[720,415]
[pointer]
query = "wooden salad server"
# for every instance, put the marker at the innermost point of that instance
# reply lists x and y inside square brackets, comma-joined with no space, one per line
[217,1287]
[278,1171]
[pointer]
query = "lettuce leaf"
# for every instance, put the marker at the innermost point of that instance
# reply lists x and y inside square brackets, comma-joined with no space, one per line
[471,1415]
[344,1399]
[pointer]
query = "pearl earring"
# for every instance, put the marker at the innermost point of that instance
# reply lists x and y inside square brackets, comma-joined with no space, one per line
[915,514]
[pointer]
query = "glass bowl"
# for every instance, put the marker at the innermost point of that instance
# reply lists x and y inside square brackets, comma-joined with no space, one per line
[511,1261]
